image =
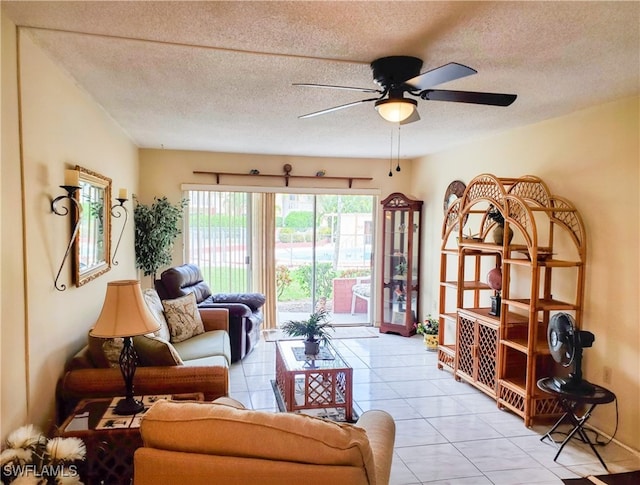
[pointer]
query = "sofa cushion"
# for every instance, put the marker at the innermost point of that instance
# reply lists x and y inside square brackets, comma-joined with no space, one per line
[183,318]
[213,361]
[221,429]
[154,350]
[154,304]
[105,352]
[204,345]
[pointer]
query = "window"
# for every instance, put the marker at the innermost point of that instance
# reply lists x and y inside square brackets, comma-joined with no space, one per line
[218,238]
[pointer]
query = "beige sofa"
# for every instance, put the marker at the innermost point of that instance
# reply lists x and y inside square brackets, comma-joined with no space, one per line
[221,442]
[197,364]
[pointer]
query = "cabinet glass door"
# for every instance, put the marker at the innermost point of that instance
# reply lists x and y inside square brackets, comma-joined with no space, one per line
[400,265]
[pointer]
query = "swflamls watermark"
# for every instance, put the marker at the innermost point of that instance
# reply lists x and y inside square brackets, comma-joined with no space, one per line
[42,471]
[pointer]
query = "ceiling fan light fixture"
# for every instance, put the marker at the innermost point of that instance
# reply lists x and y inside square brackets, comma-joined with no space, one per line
[396,110]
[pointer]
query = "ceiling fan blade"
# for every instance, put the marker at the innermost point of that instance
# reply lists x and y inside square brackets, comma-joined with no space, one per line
[493,99]
[415,116]
[440,75]
[346,88]
[336,108]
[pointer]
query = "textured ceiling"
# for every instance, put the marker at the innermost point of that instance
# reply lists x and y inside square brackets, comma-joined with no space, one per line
[217,76]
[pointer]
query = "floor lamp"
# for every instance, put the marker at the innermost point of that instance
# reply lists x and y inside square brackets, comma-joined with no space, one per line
[125,314]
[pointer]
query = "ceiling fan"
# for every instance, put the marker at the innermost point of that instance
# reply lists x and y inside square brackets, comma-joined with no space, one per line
[397,75]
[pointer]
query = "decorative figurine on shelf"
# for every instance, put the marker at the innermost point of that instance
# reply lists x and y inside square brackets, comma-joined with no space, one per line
[254,171]
[498,233]
[494,280]
[401,268]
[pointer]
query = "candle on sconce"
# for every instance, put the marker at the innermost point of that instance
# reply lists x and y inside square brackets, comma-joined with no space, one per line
[72,178]
[122,194]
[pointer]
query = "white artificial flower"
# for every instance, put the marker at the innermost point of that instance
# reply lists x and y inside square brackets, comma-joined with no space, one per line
[25,437]
[69,480]
[66,449]
[26,480]
[19,455]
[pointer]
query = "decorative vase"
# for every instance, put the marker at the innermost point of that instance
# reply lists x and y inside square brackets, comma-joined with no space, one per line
[311,347]
[498,235]
[431,342]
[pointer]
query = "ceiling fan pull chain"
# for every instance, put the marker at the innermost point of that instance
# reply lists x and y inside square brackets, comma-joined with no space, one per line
[391,155]
[398,166]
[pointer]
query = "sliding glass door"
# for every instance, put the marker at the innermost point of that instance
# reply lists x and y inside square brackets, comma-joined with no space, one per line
[323,255]
[321,258]
[218,238]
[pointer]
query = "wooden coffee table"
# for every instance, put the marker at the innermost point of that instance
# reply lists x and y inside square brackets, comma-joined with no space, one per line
[313,383]
[110,440]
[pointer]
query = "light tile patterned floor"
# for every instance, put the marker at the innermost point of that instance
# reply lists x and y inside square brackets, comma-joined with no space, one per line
[447,432]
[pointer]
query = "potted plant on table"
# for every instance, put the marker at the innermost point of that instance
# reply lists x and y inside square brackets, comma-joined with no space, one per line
[429,329]
[315,329]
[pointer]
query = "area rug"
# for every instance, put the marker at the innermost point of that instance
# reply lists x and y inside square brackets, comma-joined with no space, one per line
[271,335]
[332,414]
[627,478]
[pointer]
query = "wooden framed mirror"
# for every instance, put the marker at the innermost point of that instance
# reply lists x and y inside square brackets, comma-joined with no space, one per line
[92,247]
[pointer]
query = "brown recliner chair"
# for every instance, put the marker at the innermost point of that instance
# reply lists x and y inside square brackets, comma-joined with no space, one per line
[245,314]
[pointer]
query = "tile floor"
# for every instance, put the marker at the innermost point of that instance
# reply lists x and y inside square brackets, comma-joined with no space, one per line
[447,432]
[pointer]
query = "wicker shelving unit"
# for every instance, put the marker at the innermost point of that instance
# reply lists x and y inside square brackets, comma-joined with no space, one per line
[504,355]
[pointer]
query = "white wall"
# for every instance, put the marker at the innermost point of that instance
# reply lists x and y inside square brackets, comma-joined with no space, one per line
[591,158]
[61,127]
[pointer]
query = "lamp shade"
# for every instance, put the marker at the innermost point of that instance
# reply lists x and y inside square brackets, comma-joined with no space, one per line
[396,109]
[124,312]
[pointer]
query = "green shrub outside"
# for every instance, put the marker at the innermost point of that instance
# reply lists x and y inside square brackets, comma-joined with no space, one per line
[324,279]
[299,220]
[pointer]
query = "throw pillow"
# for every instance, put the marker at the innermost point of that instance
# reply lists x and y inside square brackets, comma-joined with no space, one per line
[155,351]
[105,352]
[183,317]
[154,304]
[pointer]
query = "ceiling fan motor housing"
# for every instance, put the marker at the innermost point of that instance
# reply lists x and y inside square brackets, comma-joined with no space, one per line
[391,72]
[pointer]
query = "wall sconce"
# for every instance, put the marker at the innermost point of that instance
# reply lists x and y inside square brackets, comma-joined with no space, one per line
[117,211]
[71,185]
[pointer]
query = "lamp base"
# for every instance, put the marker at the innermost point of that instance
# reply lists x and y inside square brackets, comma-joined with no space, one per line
[495,306]
[128,406]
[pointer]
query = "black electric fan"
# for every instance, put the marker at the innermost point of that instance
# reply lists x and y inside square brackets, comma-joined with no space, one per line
[565,344]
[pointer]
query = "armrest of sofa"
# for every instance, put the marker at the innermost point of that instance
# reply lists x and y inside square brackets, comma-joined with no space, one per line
[215,318]
[75,385]
[381,432]
[254,301]
[236,310]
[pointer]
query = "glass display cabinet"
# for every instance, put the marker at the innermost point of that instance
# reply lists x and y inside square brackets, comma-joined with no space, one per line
[400,264]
